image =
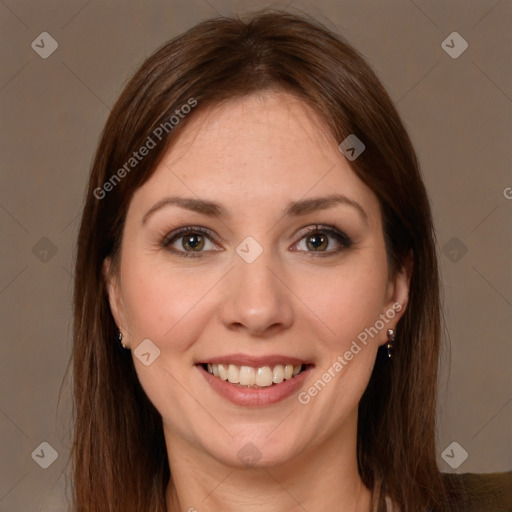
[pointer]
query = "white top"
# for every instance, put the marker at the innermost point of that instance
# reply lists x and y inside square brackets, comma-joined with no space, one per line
[390,507]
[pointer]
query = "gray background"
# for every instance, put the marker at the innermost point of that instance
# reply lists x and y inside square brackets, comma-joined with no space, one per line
[457,110]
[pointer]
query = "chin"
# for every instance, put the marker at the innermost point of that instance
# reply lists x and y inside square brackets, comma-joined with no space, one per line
[254,450]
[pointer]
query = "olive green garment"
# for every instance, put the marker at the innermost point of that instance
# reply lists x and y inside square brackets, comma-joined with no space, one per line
[482,492]
[474,492]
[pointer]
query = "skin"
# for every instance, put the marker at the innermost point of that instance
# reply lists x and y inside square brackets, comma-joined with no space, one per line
[254,156]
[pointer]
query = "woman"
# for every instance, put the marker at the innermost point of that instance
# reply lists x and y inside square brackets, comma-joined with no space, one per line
[257,312]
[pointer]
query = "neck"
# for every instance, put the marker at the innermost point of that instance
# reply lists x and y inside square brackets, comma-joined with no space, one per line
[322,477]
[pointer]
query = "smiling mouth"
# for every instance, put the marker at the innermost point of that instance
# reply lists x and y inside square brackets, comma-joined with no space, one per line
[254,377]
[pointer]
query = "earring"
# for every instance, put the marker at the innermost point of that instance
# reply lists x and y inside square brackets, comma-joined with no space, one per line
[391,339]
[120,338]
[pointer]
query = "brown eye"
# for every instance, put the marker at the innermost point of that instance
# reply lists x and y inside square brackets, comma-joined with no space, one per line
[322,241]
[317,242]
[193,242]
[190,242]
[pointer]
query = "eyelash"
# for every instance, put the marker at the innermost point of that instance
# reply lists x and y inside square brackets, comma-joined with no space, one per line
[342,238]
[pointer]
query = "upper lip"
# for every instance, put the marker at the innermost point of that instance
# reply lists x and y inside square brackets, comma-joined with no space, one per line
[255,361]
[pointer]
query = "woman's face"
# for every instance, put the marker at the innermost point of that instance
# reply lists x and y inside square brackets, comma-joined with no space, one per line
[271,254]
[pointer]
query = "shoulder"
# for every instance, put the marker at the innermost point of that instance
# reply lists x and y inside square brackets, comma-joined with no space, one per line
[481,492]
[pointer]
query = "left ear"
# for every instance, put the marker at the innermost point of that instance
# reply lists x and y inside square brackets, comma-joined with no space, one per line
[397,294]
[115,298]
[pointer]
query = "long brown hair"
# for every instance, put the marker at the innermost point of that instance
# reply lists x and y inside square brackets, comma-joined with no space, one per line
[119,457]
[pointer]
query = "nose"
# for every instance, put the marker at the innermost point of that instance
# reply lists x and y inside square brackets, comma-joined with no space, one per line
[257,300]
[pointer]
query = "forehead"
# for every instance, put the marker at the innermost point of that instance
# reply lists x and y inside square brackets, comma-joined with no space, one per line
[245,128]
[264,148]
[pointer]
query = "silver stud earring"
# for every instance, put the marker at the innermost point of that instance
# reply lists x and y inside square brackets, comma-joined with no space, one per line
[120,338]
[391,339]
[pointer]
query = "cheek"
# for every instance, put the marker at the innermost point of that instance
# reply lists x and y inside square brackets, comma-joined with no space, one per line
[348,298]
[160,301]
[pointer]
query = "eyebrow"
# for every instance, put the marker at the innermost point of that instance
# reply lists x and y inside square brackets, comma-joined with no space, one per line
[294,209]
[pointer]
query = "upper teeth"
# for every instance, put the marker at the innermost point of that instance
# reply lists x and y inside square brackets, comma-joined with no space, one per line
[249,376]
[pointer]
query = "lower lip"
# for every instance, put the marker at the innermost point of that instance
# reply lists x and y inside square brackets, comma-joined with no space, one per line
[255,397]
